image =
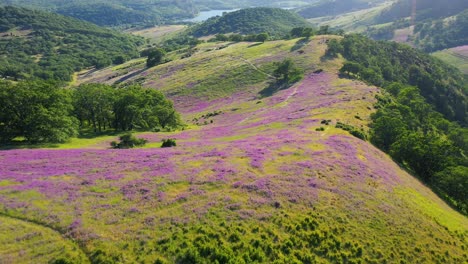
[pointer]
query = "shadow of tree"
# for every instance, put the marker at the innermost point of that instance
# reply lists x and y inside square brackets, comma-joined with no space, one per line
[300,43]
[256,44]
[273,88]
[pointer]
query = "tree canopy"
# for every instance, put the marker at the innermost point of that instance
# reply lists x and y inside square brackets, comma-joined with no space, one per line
[36,44]
[40,111]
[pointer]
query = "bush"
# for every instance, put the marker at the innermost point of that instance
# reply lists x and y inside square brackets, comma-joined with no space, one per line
[128,141]
[168,143]
[352,130]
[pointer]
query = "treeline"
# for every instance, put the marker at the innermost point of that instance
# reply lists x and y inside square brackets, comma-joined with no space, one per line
[39,111]
[409,123]
[115,12]
[36,44]
[380,62]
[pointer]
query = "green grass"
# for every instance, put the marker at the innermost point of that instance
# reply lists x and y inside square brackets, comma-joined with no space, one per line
[451,57]
[22,241]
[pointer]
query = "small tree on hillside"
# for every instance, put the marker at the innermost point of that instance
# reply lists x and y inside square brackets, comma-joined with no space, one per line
[262,37]
[155,57]
[287,72]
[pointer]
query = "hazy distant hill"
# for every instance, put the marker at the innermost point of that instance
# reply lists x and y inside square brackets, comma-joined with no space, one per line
[114,12]
[274,21]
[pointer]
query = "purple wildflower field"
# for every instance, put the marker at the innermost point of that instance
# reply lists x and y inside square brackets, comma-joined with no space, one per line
[260,160]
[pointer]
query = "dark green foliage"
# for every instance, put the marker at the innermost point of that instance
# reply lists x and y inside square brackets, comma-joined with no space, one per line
[454,181]
[274,21]
[287,72]
[128,141]
[407,124]
[93,104]
[155,57]
[262,37]
[334,48]
[418,137]
[302,32]
[38,111]
[168,143]
[352,130]
[381,63]
[37,44]
[115,12]
[101,107]
[41,111]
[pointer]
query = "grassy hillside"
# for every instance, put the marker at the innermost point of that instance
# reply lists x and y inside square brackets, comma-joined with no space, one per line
[36,44]
[457,57]
[276,22]
[256,178]
[333,8]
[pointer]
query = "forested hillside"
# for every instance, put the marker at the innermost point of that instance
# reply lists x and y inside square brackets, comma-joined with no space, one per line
[36,44]
[115,12]
[425,9]
[274,21]
[412,121]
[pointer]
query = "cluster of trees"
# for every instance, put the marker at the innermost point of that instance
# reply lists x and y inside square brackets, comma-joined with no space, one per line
[287,72]
[36,44]
[40,111]
[439,35]
[380,63]
[411,123]
[101,107]
[274,21]
[262,37]
[415,135]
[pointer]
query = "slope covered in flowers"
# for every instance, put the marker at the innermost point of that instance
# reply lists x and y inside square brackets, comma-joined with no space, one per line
[255,183]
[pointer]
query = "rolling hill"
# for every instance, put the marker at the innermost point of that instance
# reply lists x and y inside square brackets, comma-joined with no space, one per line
[115,12]
[260,175]
[275,21]
[37,44]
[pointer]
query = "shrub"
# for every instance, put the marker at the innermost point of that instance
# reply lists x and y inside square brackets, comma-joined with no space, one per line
[128,141]
[352,130]
[168,143]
